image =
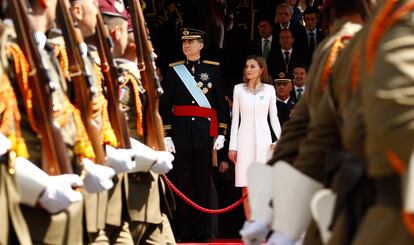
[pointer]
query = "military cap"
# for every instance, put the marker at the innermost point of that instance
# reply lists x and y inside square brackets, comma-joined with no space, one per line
[115,8]
[282,77]
[191,33]
[282,80]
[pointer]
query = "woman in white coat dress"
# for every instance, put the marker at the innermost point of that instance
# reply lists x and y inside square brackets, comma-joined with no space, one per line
[250,138]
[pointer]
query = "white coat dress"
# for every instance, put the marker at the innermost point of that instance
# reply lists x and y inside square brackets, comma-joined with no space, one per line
[250,133]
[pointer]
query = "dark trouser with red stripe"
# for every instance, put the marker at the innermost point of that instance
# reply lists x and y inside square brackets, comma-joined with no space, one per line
[191,174]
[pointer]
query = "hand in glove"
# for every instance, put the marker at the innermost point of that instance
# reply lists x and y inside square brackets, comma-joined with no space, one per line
[169,144]
[278,238]
[120,159]
[164,163]
[254,232]
[5,144]
[98,178]
[219,143]
[58,194]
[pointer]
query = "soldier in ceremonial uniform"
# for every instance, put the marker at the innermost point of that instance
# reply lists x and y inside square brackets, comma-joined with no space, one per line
[334,151]
[193,111]
[17,174]
[149,223]
[124,208]
[374,202]
[84,14]
[387,80]
[117,227]
[54,226]
[13,228]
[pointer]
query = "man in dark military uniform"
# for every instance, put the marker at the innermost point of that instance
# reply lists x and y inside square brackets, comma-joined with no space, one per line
[117,226]
[193,112]
[284,101]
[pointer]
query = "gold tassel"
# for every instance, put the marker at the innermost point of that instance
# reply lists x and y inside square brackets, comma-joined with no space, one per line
[13,140]
[84,149]
[107,133]
[21,148]
[10,123]
[83,146]
[138,104]
[62,55]
[110,138]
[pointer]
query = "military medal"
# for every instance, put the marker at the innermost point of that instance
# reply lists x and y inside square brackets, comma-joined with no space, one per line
[202,84]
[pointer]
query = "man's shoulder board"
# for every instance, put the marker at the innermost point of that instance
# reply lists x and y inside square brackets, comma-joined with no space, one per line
[211,62]
[176,63]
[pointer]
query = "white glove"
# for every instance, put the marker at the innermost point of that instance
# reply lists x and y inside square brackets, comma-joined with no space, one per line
[164,162]
[53,193]
[254,232]
[145,157]
[5,144]
[278,238]
[169,144]
[58,194]
[120,159]
[219,143]
[98,178]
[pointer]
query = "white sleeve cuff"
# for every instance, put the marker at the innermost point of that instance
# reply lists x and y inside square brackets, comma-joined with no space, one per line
[31,181]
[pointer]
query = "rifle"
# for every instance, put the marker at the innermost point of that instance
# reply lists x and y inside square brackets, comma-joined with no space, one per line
[81,78]
[54,156]
[154,134]
[111,75]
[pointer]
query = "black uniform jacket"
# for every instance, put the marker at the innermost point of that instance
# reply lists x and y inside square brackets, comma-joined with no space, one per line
[191,132]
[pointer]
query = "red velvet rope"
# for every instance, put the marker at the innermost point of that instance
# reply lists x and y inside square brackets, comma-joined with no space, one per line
[198,207]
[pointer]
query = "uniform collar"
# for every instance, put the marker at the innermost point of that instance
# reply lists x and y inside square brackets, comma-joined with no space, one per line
[284,101]
[192,63]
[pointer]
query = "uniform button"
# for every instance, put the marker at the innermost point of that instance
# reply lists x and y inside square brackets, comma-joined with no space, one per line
[192,102]
[192,118]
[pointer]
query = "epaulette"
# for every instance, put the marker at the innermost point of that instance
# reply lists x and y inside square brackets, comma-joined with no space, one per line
[211,62]
[176,63]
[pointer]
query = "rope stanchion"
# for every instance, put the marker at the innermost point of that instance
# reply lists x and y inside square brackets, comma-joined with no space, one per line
[198,207]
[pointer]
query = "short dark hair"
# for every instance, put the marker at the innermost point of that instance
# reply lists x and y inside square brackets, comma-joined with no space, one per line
[267,20]
[300,66]
[312,10]
[284,30]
